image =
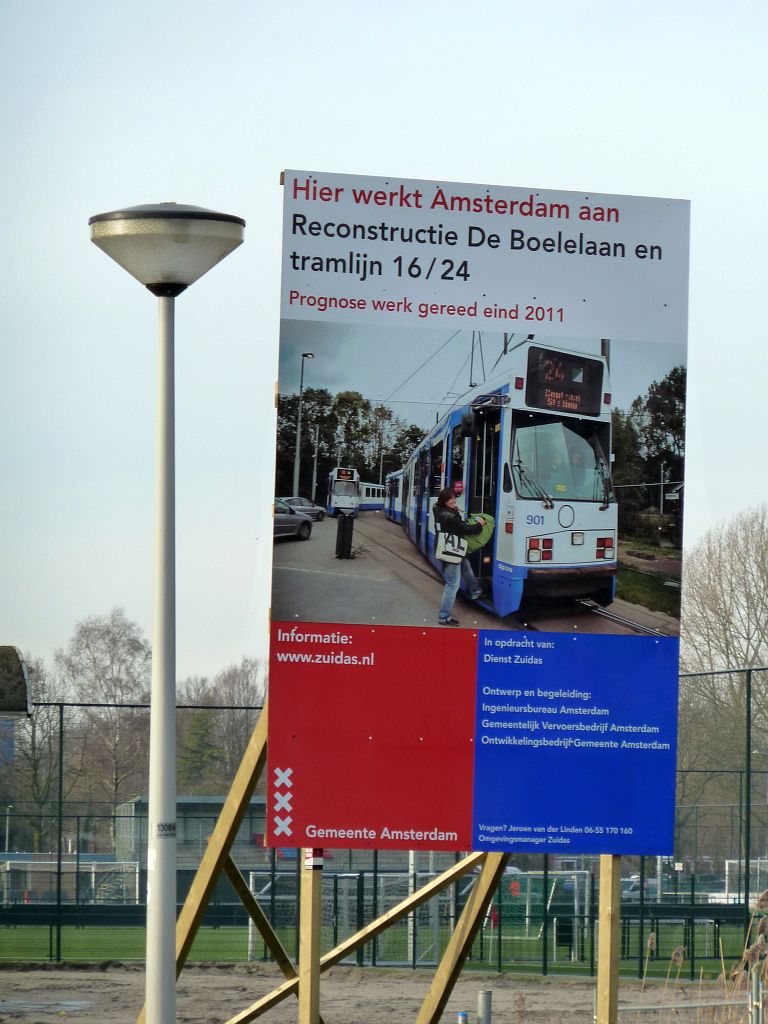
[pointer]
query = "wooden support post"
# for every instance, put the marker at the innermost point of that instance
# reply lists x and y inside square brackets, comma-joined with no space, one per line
[309,936]
[608,940]
[461,941]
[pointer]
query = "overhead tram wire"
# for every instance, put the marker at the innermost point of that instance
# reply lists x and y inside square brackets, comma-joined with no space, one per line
[421,367]
[505,350]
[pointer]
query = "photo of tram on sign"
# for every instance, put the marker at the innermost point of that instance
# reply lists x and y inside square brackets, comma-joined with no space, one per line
[565,457]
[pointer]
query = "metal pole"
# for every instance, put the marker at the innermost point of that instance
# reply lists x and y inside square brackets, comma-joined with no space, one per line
[545,917]
[77,862]
[747,799]
[739,848]
[297,456]
[60,831]
[484,1007]
[8,810]
[314,464]
[161,845]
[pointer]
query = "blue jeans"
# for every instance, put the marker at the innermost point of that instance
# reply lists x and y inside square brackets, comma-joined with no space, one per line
[453,574]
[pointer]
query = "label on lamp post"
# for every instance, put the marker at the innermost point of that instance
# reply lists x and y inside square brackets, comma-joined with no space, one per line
[165,830]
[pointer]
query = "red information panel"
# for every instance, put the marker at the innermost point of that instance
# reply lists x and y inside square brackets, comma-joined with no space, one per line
[404,781]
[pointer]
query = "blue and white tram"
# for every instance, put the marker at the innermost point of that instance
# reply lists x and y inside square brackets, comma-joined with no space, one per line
[371,497]
[343,492]
[393,502]
[533,451]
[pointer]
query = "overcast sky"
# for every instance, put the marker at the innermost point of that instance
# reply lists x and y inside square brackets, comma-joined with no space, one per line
[106,105]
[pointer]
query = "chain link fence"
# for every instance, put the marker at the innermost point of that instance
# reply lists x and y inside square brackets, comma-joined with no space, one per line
[73,870]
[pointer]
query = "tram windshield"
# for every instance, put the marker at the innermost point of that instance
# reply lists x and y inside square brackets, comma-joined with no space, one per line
[345,487]
[561,459]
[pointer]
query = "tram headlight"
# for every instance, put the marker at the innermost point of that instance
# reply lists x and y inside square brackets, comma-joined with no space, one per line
[577,538]
[534,555]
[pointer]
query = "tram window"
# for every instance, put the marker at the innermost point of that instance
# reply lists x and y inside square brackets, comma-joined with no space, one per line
[436,470]
[416,474]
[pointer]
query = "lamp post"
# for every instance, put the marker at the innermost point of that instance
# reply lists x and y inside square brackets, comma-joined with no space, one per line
[304,355]
[8,810]
[166,247]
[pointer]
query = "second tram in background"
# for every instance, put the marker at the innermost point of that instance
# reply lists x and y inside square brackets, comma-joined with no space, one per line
[533,451]
[348,495]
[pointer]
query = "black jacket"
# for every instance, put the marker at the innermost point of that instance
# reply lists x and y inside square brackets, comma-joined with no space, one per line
[449,521]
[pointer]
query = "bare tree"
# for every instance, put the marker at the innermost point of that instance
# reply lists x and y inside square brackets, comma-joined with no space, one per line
[725,596]
[107,662]
[243,686]
[35,765]
[724,628]
[211,742]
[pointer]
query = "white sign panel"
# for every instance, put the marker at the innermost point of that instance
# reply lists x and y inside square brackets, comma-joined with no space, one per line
[401,251]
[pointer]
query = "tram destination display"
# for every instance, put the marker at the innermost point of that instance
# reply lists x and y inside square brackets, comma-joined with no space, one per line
[557,380]
[491,358]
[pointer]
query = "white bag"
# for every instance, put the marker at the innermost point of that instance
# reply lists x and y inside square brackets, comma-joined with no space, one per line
[449,547]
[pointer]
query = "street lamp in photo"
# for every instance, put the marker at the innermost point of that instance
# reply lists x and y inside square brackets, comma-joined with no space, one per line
[166,247]
[296,461]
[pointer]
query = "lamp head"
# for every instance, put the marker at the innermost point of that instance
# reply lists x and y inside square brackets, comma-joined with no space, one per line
[14,684]
[166,246]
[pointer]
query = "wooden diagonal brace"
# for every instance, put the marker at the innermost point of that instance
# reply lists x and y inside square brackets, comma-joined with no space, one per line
[259,918]
[370,931]
[463,936]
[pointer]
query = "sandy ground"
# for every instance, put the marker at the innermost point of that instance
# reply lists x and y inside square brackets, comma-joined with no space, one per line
[211,995]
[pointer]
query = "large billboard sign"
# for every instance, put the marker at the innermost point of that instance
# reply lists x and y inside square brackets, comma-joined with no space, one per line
[488,384]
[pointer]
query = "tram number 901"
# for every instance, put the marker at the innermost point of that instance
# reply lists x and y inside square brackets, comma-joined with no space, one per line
[534,520]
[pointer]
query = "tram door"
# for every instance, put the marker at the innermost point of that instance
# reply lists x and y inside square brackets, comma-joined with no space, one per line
[422,471]
[483,477]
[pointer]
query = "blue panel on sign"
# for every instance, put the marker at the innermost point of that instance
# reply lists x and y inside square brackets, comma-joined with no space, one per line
[575,743]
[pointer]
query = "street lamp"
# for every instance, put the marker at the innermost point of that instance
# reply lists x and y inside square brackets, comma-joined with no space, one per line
[8,810]
[295,492]
[166,247]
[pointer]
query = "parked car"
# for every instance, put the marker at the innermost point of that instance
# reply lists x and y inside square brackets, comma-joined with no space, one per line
[290,523]
[309,508]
